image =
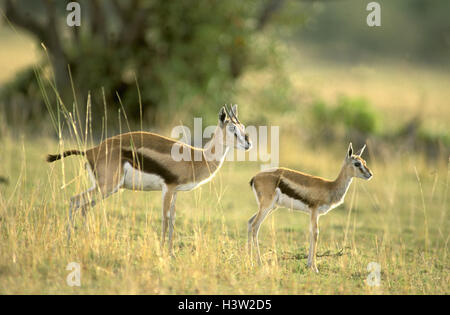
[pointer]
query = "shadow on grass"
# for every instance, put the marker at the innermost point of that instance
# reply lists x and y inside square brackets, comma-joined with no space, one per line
[288,255]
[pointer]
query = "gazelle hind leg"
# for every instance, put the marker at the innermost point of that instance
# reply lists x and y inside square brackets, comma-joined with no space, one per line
[249,233]
[250,240]
[100,189]
[90,191]
[266,206]
[81,201]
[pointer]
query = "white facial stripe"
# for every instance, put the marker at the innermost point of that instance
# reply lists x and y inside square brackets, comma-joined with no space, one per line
[239,134]
[363,169]
[367,171]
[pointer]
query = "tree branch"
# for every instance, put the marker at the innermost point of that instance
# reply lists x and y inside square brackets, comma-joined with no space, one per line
[135,29]
[119,11]
[98,21]
[271,7]
[59,57]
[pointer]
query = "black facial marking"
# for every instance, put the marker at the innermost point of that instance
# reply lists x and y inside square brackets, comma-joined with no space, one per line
[287,190]
[222,115]
[148,165]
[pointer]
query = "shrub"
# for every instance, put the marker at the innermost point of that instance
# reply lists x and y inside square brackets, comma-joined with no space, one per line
[354,114]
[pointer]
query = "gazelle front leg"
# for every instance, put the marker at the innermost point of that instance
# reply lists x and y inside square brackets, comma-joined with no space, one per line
[167,196]
[172,222]
[314,236]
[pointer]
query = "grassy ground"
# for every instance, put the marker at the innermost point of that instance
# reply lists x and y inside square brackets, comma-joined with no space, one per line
[395,220]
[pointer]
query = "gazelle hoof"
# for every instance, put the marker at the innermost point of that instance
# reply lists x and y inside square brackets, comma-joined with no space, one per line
[313,268]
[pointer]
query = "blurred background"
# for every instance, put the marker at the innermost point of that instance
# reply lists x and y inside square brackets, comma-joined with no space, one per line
[314,67]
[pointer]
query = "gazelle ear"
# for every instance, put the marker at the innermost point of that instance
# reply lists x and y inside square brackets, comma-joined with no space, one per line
[361,151]
[235,110]
[350,150]
[222,115]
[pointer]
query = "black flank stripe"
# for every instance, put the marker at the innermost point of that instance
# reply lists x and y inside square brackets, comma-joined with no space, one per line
[287,190]
[148,165]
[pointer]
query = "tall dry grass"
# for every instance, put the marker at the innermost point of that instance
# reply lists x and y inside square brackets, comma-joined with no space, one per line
[399,219]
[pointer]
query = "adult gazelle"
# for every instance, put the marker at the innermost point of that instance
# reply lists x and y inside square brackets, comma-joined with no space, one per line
[145,161]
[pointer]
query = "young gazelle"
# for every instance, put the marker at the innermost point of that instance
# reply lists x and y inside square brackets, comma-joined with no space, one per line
[145,161]
[298,191]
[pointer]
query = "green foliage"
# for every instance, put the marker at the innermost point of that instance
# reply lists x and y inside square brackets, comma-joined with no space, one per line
[354,114]
[22,99]
[433,140]
[185,56]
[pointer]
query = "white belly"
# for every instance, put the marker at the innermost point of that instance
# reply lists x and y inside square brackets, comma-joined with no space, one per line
[294,204]
[287,202]
[193,185]
[290,203]
[327,208]
[324,209]
[137,180]
[187,187]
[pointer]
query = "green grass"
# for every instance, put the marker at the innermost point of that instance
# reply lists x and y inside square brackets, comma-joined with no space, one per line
[382,221]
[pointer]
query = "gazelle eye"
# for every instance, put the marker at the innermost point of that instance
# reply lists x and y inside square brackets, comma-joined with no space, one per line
[357,164]
[232,128]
